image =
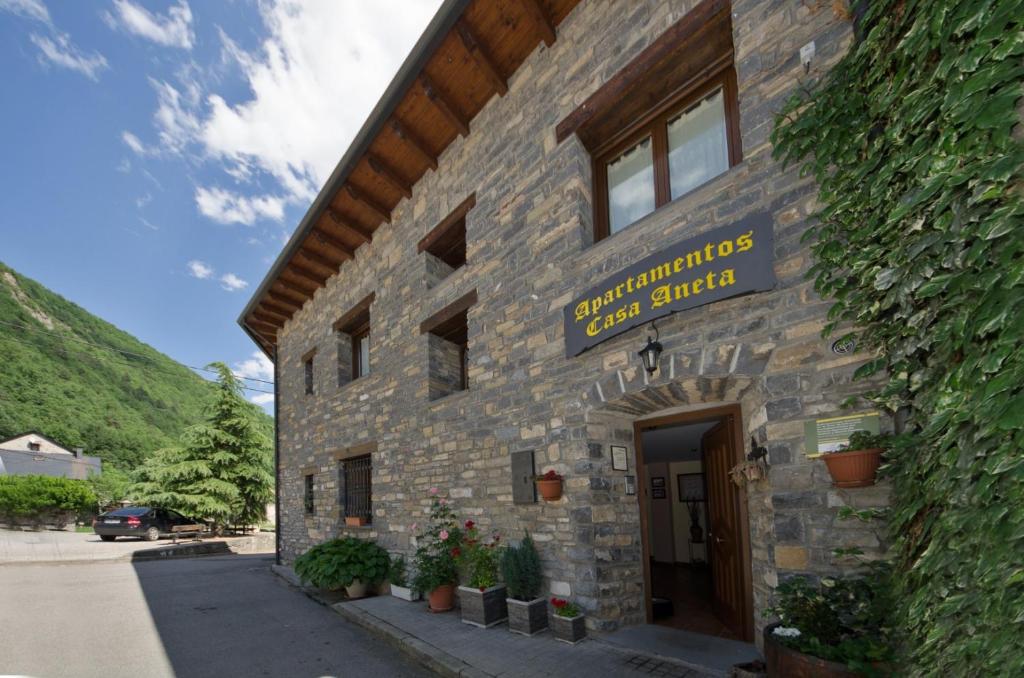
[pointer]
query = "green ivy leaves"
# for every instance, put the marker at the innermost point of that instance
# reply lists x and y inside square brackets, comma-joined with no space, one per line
[920,242]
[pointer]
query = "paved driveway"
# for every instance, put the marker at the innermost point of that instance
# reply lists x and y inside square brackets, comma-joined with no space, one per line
[222,616]
[55,546]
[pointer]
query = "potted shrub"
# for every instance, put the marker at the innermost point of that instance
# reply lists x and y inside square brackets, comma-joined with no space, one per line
[520,568]
[568,622]
[437,571]
[549,485]
[856,463]
[355,564]
[483,600]
[399,580]
[835,628]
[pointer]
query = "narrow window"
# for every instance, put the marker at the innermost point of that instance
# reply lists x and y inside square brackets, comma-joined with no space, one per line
[445,245]
[308,367]
[698,145]
[354,485]
[353,331]
[35,447]
[448,348]
[307,497]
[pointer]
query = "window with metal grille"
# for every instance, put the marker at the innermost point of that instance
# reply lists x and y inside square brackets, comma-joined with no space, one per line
[354,487]
[307,498]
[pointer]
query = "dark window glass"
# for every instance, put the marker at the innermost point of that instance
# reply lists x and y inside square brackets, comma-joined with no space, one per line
[307,499]
[309,375]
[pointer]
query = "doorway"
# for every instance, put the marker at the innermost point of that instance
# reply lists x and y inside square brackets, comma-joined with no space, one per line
[696,541]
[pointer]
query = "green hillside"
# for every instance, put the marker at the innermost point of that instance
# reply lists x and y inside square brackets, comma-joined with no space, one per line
[57,378]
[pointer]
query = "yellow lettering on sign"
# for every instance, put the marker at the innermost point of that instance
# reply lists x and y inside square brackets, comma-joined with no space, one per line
[582,310]
[744,242]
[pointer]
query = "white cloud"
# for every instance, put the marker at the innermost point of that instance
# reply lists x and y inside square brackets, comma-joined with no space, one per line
[232,282]
[233,208]
[172,30]
[60,51]
[29,9]
[199,269]
[134,143]
[262,398]
[257,366]
[174,118]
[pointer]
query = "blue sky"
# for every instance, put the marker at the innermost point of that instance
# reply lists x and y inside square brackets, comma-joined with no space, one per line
[157,155]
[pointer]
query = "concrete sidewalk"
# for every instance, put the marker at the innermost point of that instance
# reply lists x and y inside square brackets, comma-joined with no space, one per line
[54,546]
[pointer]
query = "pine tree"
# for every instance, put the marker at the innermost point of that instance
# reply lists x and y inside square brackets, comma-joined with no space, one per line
[221,471]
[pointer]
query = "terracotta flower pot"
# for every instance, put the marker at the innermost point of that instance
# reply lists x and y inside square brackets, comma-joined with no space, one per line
[442,598]
[355,521]
[550,490]
[853,468]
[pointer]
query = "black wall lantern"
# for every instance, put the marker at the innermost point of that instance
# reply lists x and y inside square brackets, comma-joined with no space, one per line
[651,352]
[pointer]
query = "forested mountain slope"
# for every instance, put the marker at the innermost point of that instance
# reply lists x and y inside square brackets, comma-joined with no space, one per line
[85,383]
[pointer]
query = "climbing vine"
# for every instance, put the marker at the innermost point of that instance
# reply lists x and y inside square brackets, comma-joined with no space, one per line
[915,141]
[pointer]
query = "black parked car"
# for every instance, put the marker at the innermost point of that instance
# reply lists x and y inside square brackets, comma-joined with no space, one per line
[138,521]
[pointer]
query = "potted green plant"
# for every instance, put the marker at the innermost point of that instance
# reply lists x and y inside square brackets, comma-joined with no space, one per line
[349,563]
[856,463]
[483,600]
[834,628]
[549,485]
[399,580]
[437,571]
[520,568]
[568,623]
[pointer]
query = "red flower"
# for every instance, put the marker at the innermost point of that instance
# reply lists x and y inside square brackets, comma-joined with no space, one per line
[482,589]
[551,475]
[470,524]
[558,603]
[456,552]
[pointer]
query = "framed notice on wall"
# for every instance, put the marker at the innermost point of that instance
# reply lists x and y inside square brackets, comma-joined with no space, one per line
[658,481]
[658,493]
[619,459]
[691,486]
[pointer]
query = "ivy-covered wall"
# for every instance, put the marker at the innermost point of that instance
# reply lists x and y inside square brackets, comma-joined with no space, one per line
[915,141]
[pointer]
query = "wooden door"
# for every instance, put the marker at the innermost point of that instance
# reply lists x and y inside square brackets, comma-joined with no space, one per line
[724,536]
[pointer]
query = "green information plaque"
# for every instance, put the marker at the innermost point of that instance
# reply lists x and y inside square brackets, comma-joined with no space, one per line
[828,435]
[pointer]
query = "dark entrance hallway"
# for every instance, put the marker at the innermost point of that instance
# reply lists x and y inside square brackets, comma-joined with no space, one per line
[694,529]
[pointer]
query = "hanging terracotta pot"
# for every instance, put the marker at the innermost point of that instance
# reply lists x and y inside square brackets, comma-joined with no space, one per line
[550,490]
[442,598]
[853,468]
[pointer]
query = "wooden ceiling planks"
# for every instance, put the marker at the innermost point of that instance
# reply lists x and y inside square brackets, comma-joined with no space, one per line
[470,65]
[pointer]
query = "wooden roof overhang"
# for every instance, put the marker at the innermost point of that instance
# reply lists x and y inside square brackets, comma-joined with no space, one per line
[464,58]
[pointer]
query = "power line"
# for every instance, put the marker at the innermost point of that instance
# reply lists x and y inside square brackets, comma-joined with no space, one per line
[121,351]
[155,368]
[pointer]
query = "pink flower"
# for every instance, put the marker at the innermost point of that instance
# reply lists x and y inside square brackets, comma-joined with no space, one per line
[444,535]
[433,490]
[442,502]
[413,527]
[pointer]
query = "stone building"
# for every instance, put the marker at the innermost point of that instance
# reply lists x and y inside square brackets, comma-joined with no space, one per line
[464,303]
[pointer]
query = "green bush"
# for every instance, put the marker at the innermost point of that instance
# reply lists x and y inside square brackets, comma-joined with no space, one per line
[397,572]
[337,563]
[34,496]
[520,567]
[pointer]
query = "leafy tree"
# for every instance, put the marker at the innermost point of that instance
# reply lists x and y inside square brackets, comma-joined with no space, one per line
[110,487]
[221,471]
[33,496]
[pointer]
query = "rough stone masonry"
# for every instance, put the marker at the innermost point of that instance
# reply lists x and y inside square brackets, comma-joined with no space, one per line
[530,251]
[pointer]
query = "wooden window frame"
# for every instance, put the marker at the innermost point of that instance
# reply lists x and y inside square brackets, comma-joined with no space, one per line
[356,324]
[438,323]
[443,231]
[654,124]
[358,369]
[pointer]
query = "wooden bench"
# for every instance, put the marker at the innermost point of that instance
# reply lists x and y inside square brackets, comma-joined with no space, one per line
[194,531]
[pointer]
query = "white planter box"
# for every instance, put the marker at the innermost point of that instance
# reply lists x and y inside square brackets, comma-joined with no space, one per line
[405,593]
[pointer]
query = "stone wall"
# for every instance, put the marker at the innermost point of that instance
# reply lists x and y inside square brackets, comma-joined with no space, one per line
[530,250]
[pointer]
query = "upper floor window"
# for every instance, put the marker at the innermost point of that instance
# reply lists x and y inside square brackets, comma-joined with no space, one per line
[445,244]
[448,347]
[307,495]
[353,331]
[670,155]
[34,446]
[665,124]
[307,371]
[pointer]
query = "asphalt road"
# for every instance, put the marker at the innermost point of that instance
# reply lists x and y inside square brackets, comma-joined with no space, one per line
[221,616]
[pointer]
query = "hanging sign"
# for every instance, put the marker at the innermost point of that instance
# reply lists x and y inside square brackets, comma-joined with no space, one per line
[831,434]
[726,262]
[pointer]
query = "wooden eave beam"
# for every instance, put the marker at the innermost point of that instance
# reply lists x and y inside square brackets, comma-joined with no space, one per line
[270,304]
[368,202]
[288,295]
[309,274]
[283,300]
[267,315]
[253,321]
[444,106]
[414,143]
[320,260]
[480,57]
[390,176]
[327,239]
[297,287]
[545,29]
[345,224]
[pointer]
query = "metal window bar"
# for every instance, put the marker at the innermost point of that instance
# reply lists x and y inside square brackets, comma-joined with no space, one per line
[355,487]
